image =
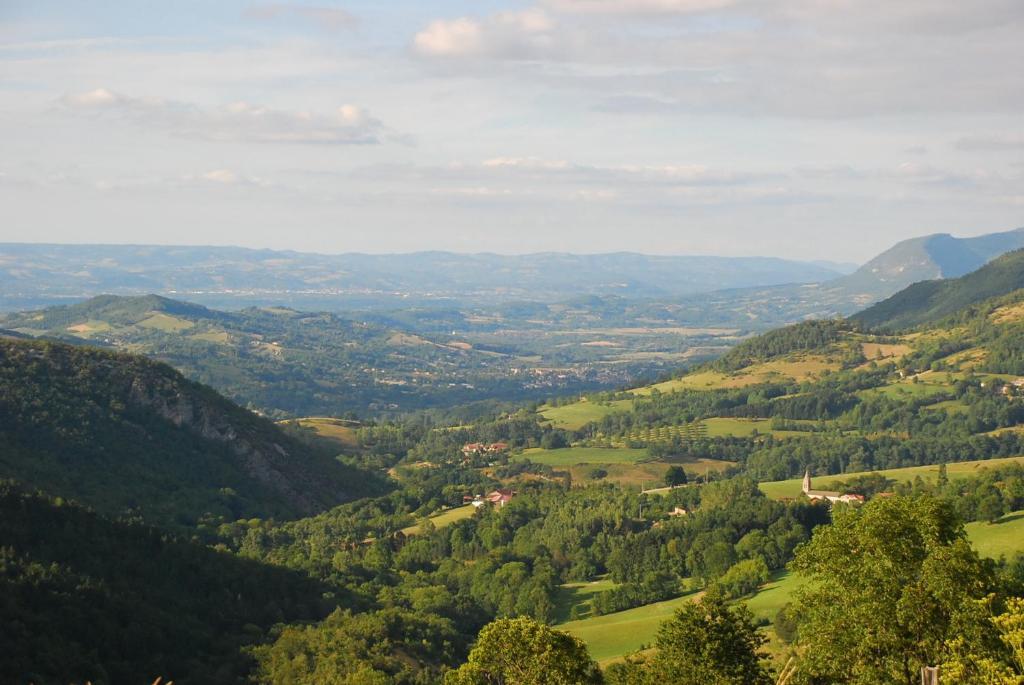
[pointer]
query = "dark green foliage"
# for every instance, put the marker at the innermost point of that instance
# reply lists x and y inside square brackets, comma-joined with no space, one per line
[705,643]
[675,476]
[122,433]
[86,598]
[898,576]
[521,651]
[802,337]
[390,647]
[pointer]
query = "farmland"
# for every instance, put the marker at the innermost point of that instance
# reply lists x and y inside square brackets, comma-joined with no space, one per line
[964,469]
[1005,537]
[584,455]
[575,416]
[444,518]
[614,635]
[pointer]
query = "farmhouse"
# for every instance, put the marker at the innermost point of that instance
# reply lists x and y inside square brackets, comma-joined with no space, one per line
[474,448]
[828,495]
[498,498]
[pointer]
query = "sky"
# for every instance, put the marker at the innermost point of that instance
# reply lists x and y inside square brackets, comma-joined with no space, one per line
[809,129]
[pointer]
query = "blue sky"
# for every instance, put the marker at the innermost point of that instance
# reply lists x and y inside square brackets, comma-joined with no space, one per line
[821,129]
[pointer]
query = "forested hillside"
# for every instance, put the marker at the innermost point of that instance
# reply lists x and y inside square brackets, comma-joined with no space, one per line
[932,301]
[128,435]
[288,363]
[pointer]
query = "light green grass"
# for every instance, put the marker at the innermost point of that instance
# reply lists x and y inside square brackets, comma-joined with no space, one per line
[445,518]
[964,469]
[580,596]
[1005,537]
[575,416]
[584,455]
[907,391]
[615,635]
[775,595]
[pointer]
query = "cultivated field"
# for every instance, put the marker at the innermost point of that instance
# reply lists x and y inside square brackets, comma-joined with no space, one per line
[575,416]
[584,455]
[964,469]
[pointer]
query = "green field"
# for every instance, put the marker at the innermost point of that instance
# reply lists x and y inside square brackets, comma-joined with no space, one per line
[1005,537]
[578,595]
[774,595]
[614,635]
[575,416]
[584,455]
[444,518]
[964,469]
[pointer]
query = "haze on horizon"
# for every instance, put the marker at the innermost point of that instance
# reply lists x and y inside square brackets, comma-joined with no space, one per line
[807,129]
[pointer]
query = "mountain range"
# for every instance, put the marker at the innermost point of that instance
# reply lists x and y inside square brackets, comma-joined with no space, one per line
[34,274]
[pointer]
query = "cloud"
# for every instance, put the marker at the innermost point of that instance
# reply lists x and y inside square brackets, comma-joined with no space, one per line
[237,121]
[328,18]
[504,35]
[991,143]
[795,59]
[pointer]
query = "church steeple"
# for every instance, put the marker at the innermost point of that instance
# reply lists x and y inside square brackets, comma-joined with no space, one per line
[807,480]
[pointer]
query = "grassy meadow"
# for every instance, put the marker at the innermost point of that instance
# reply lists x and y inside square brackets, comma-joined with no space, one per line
[964,469]
[1005,537]
[569,456]
[612,636]
[575,416]
[444,518]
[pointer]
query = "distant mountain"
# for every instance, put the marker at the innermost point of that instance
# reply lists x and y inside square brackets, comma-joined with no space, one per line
[33,275]
[122,433]
[930,301]
[925,259]
[911,261]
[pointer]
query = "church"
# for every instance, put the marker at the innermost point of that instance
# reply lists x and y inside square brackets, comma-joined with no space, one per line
[828,495]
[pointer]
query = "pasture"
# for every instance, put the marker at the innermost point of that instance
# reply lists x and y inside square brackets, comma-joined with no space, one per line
[612,636]
[1005,537]
[337,430]
[964,469]
[575,416]
[569,456]
[443,518]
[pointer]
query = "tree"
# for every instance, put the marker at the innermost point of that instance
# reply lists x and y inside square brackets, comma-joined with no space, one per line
[1001,665]
[676,475]
[704,643]
[891,582]
[990,508]
[521,651]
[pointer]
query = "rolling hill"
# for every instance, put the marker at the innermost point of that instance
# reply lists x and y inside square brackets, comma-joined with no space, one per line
[288,363]
[127,435]
[931,301]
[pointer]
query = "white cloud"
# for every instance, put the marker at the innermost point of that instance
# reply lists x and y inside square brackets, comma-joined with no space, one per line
[505,34]
[237,121]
